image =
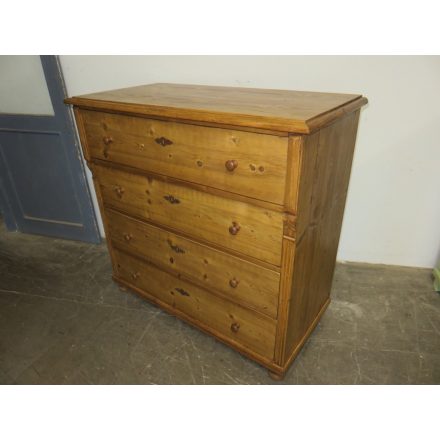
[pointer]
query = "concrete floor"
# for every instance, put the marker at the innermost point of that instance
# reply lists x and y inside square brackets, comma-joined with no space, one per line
[63,321]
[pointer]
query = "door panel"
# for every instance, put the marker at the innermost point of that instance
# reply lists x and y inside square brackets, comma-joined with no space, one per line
[43,187]
[45,192]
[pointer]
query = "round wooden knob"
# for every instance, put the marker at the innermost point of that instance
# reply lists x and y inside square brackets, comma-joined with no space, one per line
[233,283]
[235,326]
[128,237]
[234,228]
[119,191]
[107,140]
[231,165]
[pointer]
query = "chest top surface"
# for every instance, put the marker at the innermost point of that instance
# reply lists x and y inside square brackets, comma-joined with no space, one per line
[278,110]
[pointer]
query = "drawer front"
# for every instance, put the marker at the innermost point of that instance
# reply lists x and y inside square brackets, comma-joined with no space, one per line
[256,162]
[253,330]
[232,224]
[241,281]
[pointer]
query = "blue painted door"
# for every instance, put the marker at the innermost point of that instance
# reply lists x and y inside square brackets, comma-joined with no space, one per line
[43,187]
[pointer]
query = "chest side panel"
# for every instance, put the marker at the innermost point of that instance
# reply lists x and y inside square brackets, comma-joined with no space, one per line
[326,159]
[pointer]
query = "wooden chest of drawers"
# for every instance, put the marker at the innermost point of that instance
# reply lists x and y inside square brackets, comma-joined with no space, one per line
[224,205]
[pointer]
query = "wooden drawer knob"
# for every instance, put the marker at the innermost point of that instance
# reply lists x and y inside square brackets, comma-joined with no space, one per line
[231,165]
[233,283]
[235,326]
[128,237]
[119,191]
[107,140]
[234,228]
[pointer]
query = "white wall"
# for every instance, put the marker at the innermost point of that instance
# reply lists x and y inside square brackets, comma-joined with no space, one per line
[393,211]
[23,88]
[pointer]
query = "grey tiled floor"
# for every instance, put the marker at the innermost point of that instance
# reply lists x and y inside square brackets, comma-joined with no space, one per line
[63,321]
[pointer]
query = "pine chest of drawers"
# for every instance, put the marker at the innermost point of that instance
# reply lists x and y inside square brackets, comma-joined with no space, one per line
[224,206]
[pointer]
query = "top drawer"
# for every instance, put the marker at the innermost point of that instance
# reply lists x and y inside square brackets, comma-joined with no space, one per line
[249,164]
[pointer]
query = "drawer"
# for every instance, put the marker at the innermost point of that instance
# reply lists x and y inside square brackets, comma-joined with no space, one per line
[223,317]
[232,224]
[239,280]
[192,153]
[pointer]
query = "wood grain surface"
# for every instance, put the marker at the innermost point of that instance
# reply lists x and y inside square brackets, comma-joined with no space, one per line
[254,330]
[279,110]
[325,172]
[238,280]
[259,231]
[224,206]
[192,153]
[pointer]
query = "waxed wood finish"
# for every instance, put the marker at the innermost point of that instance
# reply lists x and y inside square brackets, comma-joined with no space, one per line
[192,153]
[325,173]
[239,280]
[194,212]
[224,206]
[279,110]
[234,322]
